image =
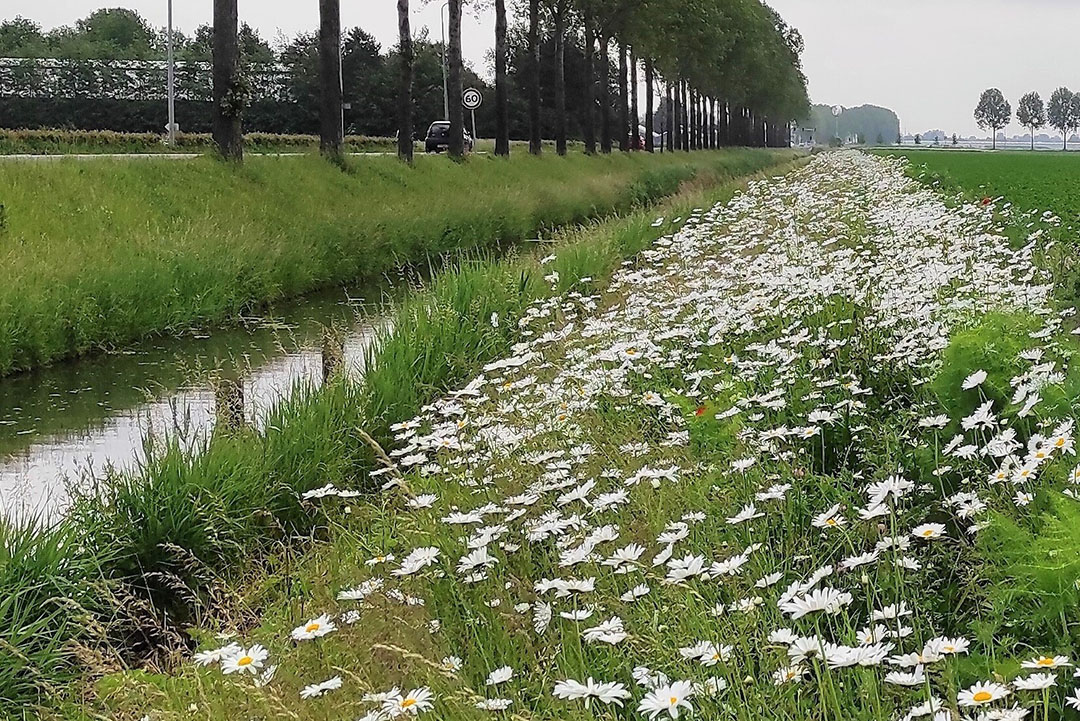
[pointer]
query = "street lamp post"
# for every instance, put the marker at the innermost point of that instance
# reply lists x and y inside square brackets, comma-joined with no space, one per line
[171,73]
[445,92]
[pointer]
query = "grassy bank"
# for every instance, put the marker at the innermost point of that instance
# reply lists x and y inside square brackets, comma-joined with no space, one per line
[99,254]
[167,546]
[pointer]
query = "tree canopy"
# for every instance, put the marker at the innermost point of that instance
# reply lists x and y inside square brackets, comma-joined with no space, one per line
[738,50]
[1063,113]
[993,112]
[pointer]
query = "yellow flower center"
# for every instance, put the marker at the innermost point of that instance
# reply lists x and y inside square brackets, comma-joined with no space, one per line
[673,700]
[245,661]
[928,532]
[982,697]
[1059,442]
[311,627]
[1045,661]
[408,702]
[830,522]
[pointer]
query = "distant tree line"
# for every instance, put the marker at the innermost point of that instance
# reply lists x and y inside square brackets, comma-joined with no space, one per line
[1062,113]
[867,123]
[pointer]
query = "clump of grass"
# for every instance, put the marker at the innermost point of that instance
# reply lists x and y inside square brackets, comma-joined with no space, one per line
[49,607]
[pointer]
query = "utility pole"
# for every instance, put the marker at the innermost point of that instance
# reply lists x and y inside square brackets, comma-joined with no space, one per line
[171,83]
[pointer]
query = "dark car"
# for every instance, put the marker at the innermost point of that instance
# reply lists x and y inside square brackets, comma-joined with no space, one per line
[438,138]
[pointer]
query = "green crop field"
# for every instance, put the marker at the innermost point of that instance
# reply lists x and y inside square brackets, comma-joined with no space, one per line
[1030,181]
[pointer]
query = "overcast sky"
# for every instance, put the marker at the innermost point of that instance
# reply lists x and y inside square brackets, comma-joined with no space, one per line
[926,59]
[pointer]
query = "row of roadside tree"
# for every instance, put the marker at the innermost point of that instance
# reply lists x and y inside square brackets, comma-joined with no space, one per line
[730,72]
[1062,113]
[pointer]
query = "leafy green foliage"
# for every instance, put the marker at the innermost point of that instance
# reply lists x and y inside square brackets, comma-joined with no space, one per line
[1033,574]
[993,112]
[994,346]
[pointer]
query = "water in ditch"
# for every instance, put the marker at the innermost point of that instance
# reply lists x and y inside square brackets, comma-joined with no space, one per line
[71,422]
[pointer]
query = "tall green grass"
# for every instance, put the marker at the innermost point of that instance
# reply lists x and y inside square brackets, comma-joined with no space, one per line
[98,254]
[160,541]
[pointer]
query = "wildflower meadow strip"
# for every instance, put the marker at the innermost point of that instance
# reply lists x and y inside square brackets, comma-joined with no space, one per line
[741,482]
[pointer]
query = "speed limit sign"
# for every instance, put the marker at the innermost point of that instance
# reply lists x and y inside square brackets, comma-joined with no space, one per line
[472,99]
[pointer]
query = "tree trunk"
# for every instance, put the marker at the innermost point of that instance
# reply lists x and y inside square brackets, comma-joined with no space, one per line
[650,127]
[228,87]
[454,71]
[724,125]
[676,115]
[405,82]
[502,99]
[605,93]
[689,117]
[624,102]
[713,141]
[669,117]
[699,106]
[560,80]
[535,143]
[634,121]
[695,121]
[703,114]
[331,135]
[685,106]
[703,103]
[589,120]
